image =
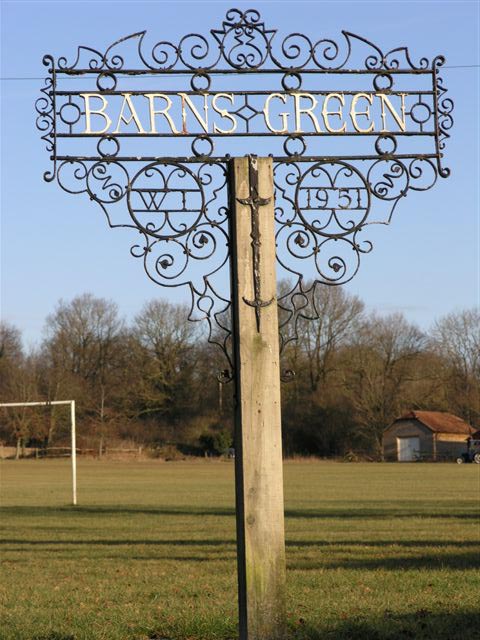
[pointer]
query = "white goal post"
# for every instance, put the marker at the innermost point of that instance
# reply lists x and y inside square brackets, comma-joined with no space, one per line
[73,433]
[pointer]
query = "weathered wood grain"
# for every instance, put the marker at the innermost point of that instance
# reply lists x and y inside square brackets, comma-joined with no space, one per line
[259,474]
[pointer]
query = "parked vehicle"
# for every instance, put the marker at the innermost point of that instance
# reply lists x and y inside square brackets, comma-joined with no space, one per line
[472,453]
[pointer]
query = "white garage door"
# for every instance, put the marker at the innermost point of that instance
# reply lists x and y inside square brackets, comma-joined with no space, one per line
[408,449]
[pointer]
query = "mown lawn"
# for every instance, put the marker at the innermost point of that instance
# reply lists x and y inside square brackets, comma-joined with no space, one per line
[374,551]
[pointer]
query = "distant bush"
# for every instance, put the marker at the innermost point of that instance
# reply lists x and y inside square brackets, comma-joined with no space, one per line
[165,452]
[216,443]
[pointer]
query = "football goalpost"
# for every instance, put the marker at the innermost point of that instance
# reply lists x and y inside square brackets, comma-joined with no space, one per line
[72,430]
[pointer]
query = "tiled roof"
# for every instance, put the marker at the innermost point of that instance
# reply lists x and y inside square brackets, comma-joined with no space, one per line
[439,421]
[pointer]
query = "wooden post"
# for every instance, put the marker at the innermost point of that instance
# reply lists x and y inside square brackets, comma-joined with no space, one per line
[258,443]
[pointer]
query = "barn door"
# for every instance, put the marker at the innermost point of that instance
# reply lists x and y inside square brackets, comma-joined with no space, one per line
[408,449]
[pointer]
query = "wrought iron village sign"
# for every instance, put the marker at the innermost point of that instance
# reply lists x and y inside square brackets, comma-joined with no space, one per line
[244,81]
[350,128]
[227,153]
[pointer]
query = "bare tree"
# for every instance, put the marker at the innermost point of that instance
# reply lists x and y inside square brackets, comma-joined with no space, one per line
[324,320]
[339,316]
[18,383]
[81,335]
[11,349]
[81,344]
[165,358]
[330,319]
[456,339]
[380,372]
[156,380]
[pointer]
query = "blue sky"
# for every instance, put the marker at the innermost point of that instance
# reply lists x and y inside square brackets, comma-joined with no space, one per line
[55,245]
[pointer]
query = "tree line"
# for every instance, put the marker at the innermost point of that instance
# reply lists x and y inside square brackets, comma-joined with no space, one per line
[154,381]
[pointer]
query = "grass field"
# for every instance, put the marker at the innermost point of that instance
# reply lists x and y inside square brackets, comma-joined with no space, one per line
[374,551]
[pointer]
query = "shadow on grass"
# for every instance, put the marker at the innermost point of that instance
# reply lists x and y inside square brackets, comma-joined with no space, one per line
[431,561]
[418,625]
[224,550]
[176,542]
[211,542]
[382,543]
[362,513]
[54,635]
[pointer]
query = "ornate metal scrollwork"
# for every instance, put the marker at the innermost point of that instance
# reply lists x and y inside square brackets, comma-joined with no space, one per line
[177,203]
[322,209]
[181,218]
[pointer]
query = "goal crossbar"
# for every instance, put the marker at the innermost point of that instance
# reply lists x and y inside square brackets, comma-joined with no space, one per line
[49,403]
